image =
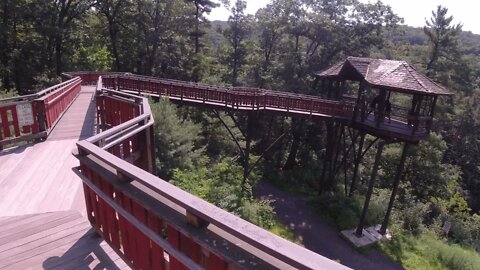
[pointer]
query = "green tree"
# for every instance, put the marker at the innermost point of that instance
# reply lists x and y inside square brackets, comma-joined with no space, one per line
[220,184]
[175,139]
[442,37]
[64,13]
[114,12]
[201,7]
[236,35]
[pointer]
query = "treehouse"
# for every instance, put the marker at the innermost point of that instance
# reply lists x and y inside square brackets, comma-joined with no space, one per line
[393,101]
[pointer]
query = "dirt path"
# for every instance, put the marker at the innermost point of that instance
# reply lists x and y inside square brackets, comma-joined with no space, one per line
[317,235]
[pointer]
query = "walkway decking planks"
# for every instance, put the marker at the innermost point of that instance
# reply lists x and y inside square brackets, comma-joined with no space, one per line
[78,122]
[38,178]
[42,181]
[60,240]
[42,201]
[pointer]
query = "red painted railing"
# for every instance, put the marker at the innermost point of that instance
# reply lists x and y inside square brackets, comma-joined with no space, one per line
[237,98]
[55,103]
[401,125]
[29,117]
[10,124]
[155,225]
[89,77]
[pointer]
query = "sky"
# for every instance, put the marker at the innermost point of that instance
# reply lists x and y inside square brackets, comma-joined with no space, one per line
[414,12]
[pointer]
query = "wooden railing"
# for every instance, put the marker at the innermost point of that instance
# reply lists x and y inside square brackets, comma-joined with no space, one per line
[89,77]
[54,104]
[236,98]
[30,117]
[155,225]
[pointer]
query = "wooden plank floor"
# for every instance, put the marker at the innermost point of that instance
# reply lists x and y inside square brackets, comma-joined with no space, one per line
[38,178]
[78,122]
[59,240]
[42,208]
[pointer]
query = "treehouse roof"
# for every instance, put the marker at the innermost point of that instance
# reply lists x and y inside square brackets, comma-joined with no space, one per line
[398,76]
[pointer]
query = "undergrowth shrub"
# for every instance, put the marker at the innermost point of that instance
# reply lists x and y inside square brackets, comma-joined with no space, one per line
[452,256]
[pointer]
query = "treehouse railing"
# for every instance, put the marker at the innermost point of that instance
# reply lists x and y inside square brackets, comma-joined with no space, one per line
[155,225]
[414,123]
[30,117]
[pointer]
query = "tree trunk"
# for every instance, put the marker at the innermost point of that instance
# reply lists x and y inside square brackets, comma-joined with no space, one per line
[235,67]
[113,42]
[197,28]
[58,53]
[5,47]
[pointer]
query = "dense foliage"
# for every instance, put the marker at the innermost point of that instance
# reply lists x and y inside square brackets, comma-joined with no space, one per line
[208,153]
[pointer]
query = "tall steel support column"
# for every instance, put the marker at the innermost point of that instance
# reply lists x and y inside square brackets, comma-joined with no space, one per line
[329,156]
[359,230]
[357,160]
[246,157]
[396,181]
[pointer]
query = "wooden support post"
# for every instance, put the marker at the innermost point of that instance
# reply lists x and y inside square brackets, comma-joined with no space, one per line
[396,182]
[322,88]
[380,113]
[315,83]
[329,88]
[195,221]
[411,112]
[359,101]
[122,177]
[359,231]
[432,112]
[357,160]
[341,88]
[416,114]
[150,150]
[41,117]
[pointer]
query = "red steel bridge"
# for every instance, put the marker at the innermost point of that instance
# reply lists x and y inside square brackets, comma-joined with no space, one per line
[50,199]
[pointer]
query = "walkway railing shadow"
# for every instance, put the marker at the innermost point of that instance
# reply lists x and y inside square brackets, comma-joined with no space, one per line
[81,255]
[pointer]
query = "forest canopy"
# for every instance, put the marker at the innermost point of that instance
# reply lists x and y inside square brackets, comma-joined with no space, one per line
[279,47]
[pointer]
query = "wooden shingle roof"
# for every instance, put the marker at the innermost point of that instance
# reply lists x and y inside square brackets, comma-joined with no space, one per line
[393,75]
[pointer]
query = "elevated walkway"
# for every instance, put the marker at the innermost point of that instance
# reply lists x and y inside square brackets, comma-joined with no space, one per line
[43,222]
[78,122]
[38,178]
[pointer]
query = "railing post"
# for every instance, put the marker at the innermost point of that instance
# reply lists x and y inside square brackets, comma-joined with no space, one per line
[195,221]
[41,117]
[149,150]
[122,177]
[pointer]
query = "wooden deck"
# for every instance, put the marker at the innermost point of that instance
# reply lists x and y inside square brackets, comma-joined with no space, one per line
[59,240]
[78,122]
[42,208]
